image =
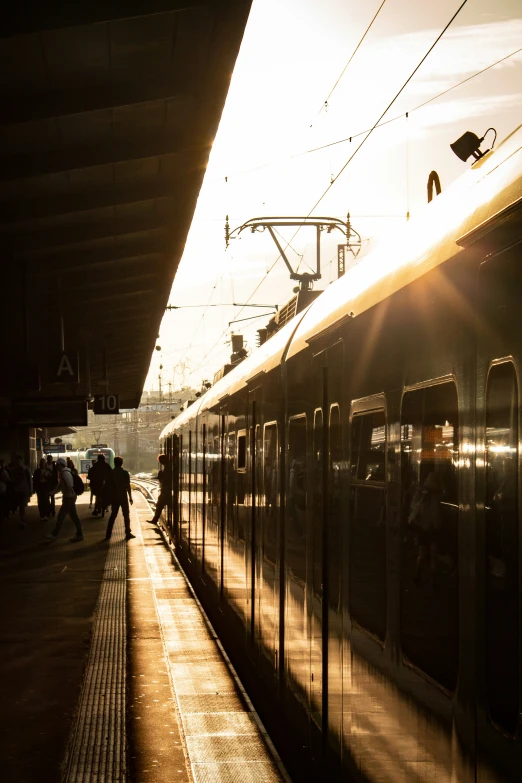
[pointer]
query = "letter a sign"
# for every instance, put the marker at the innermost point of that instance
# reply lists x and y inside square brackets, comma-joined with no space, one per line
[66,368]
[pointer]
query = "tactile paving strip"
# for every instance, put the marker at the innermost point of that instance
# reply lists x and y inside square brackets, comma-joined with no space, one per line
[97,747]
[224,737]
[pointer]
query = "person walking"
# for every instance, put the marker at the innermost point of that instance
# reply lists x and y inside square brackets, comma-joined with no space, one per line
[119,491]
[66,486]
[99,474]
[53,482]
[165,480]
[22,487]
[41,484]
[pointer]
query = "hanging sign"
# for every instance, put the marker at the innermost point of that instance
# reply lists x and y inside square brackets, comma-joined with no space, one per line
[106,404]
[66,368]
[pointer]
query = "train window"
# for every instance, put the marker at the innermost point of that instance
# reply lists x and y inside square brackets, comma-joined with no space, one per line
[271,491]
[318,504]
[368,442]
[297,498]
[502,537]
[334,510]
[429,459]
[241,451]
[368,522]
[231,518]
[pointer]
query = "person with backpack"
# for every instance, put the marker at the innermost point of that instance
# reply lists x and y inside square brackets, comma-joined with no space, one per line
[66,484]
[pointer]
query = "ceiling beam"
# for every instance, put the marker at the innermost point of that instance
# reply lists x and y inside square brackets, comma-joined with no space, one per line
[43,239]
[15,167]
[147,190]
[47,266]
[35,106]
[34,16]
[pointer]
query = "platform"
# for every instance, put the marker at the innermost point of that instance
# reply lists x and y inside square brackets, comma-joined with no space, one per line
[110,668]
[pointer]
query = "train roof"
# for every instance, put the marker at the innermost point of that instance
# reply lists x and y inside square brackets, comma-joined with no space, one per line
[432,236]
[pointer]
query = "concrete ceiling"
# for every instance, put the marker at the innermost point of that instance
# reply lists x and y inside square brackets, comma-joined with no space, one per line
[109,111]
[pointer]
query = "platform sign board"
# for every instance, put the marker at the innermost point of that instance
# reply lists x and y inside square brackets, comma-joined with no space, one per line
[85,465]
[66,368]
[50,412]
[106,404]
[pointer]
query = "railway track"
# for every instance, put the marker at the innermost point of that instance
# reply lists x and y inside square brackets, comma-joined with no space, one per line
[148,486]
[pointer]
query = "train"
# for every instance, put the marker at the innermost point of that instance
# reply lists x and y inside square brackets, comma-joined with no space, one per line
[84,458]
[94,451]
[346,502]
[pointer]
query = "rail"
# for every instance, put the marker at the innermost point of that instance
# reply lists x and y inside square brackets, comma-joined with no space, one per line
[147,487]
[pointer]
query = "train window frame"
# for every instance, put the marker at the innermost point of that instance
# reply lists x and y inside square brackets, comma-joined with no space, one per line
[241,451]
[410,660]
[495,365]
[363,407]
[366,406]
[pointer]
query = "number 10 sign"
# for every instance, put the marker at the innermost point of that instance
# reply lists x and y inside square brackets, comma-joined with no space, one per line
[106,404]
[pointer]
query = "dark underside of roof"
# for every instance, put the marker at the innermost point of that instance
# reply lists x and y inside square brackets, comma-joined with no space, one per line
[109,111]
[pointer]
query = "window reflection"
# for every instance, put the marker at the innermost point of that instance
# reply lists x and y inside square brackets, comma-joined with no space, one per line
[502,577]
[368,522]
[296,497]
[429,453]
[271,489]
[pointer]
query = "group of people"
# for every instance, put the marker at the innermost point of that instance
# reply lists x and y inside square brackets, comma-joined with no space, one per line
[110,487]
[16,488]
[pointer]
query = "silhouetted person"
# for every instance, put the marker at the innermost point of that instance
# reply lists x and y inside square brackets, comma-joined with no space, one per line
[5,482]
[426,516]
[51,467]
[165,480]
[22,487]
[42,486]
[119,489]
[99,474]
[66,487]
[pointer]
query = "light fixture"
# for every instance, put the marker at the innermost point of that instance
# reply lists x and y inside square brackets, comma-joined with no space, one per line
[469,143]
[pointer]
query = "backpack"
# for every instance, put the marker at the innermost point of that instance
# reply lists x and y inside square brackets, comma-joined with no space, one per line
[78,484]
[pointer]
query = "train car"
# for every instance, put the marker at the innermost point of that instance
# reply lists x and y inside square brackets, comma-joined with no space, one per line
[93,453]
[347,501]
[75,456]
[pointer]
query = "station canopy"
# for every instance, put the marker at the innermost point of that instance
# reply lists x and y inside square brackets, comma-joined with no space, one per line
[109,111]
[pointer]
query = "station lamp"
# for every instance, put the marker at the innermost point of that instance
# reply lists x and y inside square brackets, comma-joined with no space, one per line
[469,144]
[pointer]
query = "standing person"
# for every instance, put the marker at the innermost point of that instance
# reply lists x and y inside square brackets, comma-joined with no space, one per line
[120,488]
[42,487]
[165,480]
[70,465]
[53,482]
[99,474]
[4,493]
[66,487]
[22,487]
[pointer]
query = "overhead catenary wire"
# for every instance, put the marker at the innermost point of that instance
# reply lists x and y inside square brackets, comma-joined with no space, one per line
[408,80]
[352,156]
[325,102]
[398,117]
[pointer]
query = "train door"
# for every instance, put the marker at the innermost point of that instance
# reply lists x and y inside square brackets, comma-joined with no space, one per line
[499,509]
[324,585]
[174,509]
[253,478]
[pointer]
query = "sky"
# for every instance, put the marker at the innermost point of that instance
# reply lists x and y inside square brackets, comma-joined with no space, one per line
[285,100]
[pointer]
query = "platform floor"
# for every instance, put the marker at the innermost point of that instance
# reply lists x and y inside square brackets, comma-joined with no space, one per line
[108,669]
